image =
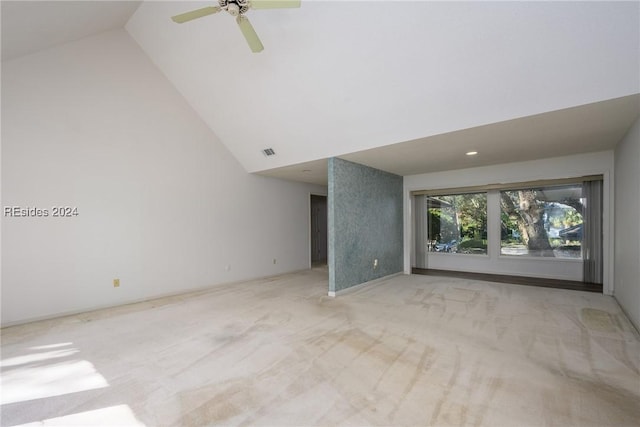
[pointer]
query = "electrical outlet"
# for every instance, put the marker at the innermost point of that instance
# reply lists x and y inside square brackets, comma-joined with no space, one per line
[375,263]
[116,283]
[227,267]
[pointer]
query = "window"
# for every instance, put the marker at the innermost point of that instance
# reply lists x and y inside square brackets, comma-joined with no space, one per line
[546,222]
[556,224]
[457,223]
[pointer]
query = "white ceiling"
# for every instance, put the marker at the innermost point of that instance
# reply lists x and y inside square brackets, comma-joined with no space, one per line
[30,26]
[338,77]
[588,128]
[405,86]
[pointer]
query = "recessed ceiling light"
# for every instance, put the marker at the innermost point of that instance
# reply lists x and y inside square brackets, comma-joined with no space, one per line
[471,153]
[306,170]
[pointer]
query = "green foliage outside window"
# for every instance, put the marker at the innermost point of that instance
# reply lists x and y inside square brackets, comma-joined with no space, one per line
[458,223]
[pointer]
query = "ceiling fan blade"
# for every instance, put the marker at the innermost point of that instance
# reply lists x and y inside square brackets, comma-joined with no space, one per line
[250,34]
[274,4]
[195,14]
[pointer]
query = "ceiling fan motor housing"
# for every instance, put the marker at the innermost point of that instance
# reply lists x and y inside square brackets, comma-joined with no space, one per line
[234,7]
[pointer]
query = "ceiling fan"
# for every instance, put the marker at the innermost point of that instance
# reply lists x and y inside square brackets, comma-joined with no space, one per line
[238,8]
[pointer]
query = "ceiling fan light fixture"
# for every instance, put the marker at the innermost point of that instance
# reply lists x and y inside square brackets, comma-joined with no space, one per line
[233,9]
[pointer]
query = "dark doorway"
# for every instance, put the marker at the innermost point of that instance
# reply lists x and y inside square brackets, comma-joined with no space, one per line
[318,230]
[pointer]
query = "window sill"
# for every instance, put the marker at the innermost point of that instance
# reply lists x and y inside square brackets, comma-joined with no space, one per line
[537,258]
[456,254]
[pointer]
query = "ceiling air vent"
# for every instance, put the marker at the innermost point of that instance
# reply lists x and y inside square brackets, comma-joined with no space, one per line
[268,152]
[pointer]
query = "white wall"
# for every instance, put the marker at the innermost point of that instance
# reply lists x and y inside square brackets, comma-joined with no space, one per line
[162,204]
[555,168]
[627,224]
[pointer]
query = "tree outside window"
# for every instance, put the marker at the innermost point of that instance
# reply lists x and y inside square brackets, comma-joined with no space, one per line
[545,222]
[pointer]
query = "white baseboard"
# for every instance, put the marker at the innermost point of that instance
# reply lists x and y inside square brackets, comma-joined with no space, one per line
[184,292]
[354,288]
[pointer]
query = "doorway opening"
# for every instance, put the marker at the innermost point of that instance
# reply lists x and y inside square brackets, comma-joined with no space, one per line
[319,230]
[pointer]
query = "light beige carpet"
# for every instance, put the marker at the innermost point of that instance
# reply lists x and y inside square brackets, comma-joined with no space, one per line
[411,350]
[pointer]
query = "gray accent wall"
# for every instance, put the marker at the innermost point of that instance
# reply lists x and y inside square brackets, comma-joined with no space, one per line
[365,224]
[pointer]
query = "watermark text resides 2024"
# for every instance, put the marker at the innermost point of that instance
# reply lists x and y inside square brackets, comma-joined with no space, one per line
[35,212]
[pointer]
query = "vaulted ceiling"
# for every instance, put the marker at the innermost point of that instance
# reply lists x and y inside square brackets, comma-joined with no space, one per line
[405,86]
[31,26]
